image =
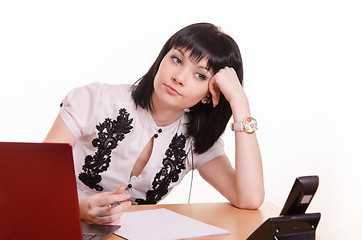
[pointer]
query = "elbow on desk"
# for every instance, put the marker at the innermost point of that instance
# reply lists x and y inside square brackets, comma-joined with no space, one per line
[249,206]
[251,202]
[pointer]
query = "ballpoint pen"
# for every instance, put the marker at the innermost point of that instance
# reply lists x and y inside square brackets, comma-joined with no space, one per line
[119,202]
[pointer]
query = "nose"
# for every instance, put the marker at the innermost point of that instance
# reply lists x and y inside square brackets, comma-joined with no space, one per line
[180,77]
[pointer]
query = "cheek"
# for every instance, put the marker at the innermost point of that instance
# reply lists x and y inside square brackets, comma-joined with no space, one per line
[161,73]
[200,90]
[158,77]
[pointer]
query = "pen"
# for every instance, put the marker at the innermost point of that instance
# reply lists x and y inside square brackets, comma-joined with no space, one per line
[119,202]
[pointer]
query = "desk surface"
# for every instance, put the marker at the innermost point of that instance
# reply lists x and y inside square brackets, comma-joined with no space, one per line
[241,223]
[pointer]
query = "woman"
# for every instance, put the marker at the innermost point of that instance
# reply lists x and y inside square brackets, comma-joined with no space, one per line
[133,144]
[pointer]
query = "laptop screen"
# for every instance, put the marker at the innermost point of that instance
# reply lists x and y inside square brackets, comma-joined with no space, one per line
[38,195]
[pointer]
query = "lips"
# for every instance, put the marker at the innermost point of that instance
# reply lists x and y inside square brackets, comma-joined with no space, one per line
[171,90]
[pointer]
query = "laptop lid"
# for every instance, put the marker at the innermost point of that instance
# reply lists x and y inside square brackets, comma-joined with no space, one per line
[38,194]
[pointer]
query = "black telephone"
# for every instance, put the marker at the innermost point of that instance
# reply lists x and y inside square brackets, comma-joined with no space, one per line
[293,222]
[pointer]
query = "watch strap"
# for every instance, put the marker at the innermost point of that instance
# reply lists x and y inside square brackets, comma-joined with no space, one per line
[237,127]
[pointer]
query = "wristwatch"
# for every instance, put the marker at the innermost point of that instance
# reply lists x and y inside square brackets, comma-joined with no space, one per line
[248,125]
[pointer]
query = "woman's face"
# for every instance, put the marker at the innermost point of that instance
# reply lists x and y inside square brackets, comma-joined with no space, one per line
[180,81]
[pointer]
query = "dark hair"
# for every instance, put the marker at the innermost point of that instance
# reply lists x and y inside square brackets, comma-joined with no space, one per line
[203,40]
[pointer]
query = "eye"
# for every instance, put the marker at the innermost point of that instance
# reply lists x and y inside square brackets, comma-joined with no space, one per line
[201,76]
[176,60]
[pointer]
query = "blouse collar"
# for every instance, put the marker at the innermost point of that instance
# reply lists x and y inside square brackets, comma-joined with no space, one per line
[151,127]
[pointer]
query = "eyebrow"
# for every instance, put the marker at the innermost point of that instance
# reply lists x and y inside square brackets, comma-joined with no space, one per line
[182,52]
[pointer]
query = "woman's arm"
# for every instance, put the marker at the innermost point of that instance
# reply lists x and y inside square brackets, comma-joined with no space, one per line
[244,185]
[60,133]
[93,208]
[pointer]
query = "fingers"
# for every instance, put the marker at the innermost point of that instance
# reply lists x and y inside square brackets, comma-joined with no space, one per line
[110,198]
[106,208]
[214,91]
[109,215]
[227,82]
[120,189]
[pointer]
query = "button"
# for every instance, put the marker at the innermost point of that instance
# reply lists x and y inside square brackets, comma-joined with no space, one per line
[155,136]
[160,130]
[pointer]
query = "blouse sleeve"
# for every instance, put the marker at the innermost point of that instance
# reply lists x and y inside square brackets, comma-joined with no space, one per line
[215,151]
[78,108]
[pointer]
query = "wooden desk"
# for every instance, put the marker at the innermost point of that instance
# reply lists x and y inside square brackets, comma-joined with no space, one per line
[241,223]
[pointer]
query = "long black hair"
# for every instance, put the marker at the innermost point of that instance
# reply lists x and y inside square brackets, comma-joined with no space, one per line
[204,40]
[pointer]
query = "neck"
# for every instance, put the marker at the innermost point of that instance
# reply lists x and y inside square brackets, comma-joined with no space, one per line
[164,115]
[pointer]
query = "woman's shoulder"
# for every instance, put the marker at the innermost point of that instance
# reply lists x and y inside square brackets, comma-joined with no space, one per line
[108,88]
[104,91]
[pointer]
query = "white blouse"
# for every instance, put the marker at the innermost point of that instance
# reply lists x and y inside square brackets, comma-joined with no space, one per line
[111,133]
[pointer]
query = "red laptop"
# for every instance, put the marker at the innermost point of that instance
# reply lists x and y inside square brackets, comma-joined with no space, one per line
[38,194]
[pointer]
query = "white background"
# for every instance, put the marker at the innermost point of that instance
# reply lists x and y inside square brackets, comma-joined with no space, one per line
[302,62]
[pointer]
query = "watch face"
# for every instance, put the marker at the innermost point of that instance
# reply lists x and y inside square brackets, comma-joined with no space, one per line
[250,125]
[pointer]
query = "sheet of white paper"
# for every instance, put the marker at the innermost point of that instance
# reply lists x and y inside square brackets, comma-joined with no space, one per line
[163,224]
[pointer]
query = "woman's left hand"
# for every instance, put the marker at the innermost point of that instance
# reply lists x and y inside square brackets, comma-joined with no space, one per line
[227,82]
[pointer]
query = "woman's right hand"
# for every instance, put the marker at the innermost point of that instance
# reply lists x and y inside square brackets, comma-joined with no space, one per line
[99,209]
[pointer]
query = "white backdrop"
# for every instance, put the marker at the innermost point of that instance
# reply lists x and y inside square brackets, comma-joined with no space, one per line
[302,62]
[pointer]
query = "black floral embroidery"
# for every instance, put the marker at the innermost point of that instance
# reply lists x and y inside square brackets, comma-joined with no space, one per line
[110,132]
[172,166]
